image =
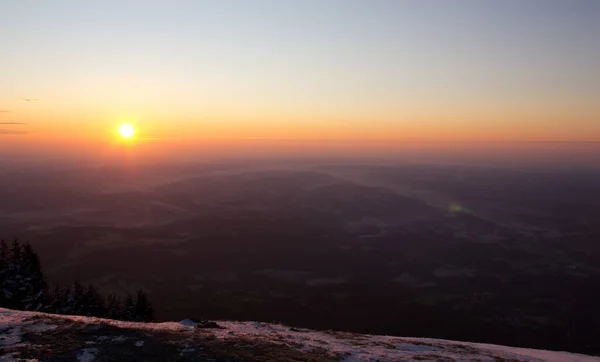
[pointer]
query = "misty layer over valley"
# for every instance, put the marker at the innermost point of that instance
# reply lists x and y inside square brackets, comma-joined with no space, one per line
[485,254]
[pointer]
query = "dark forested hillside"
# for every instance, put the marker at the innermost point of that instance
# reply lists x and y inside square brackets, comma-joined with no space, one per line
[23,286]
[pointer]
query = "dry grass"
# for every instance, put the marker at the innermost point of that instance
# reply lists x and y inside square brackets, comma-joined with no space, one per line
[119,344]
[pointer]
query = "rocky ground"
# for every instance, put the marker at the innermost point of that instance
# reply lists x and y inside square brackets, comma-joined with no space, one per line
[30,336]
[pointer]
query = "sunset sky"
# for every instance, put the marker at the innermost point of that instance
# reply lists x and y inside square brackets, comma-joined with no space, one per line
[339,70]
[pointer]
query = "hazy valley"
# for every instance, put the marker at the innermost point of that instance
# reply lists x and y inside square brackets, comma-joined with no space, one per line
[505,256]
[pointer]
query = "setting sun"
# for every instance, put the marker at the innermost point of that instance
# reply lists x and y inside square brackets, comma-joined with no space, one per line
[126,131]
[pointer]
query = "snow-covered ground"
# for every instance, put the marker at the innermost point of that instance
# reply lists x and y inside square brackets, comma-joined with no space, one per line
[23,332]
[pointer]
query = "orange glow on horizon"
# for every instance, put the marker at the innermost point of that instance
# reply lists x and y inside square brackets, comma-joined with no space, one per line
[78,131]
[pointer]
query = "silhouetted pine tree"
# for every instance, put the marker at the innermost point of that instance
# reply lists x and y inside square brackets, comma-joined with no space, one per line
[16,250]
[113,306]
[10,279]
[3,253]
[128,311]
[143,308]
[75,299]
[93,303]
[4,272]
[55,300]
[23,286]
[34,288]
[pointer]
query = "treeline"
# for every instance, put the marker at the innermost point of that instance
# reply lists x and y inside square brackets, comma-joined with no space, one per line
[23,286]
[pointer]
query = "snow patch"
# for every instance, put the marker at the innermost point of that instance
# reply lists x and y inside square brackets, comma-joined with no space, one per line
[347,346]
[87,355]
[40,327]
[119,339]
[10,335]
[417,347]
[188,323]
[186,349]
[111,339]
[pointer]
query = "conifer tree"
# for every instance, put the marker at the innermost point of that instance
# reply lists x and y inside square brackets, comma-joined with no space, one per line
[14,288]
[143,308]
[4,272]
[55,300]
[34,285]
[92,302]
[3,252]
[16,250]
[75,298]
[112,306]
[128,312]
[23,286]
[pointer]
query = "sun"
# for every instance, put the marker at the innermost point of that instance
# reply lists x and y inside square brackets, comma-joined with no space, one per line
[126,130]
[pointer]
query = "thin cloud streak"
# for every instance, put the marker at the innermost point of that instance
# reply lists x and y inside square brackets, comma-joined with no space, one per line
[4,131]
[32,100]
[13,123]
